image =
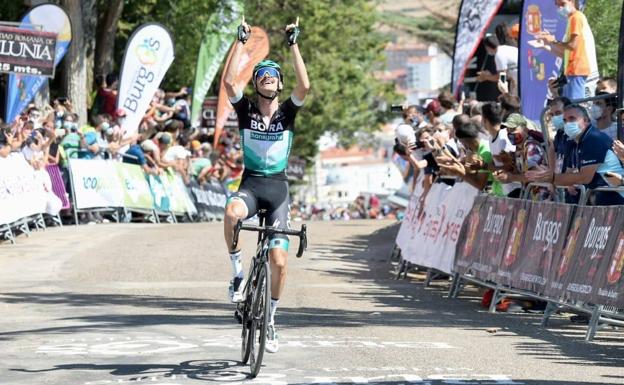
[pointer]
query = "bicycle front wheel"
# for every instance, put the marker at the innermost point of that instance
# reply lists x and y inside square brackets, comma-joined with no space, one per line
[261,309]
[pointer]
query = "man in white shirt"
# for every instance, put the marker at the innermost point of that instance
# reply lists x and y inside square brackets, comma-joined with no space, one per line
[506,59]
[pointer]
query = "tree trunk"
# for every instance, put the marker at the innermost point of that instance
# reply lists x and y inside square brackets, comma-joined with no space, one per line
[106,31]
[89,20]
[74,79]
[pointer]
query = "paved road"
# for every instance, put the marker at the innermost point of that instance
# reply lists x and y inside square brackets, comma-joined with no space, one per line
[134,304]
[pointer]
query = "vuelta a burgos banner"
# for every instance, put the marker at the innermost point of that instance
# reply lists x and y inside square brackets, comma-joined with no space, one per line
[22,191]
[430,231]
[218,36]
[591,245]
[483,240]
[149,53]
[23,88]
[256,49]
[475,17]
[543,243]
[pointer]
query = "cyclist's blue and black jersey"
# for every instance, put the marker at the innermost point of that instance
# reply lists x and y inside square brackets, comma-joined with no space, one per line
[266,148]
[265,155]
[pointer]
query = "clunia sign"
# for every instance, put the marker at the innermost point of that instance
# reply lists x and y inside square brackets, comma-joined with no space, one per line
[24,51]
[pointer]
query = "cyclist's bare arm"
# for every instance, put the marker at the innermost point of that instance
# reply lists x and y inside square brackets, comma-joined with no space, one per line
[301,74]
[231,88]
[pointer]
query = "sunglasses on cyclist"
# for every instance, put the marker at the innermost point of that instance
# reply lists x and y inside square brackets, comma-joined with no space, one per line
[272,72]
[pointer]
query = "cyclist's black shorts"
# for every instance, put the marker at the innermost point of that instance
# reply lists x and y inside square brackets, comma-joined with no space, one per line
[270,194]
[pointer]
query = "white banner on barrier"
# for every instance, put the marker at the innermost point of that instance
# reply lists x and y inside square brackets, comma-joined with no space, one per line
[429,234]
[96,184]
[22,191]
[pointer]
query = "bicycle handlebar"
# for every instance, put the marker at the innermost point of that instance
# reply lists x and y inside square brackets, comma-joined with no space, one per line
[302,234]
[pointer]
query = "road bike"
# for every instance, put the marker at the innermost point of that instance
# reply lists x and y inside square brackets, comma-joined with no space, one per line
[254,311]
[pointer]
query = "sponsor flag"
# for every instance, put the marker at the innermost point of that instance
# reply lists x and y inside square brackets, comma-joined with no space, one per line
[23,88]
[149,53]
[218,36]
[475,17]
[256,49]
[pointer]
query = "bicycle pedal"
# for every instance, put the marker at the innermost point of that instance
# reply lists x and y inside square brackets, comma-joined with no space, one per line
[238,316]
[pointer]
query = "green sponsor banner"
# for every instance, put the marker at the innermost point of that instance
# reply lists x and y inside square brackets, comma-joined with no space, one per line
[136,190]
[177,197]
[219,34]
[159,193]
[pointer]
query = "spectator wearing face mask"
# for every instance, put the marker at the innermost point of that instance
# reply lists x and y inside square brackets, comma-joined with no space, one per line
[596,158]
[74,140]
[602,115]
[577,49]
[413,115]
[560,150]
[529,154]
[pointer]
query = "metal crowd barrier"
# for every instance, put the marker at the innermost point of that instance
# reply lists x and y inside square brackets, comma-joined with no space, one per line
[599,314]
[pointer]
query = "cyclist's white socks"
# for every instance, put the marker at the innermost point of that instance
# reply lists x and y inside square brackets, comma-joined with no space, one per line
[237,264]
[274,303]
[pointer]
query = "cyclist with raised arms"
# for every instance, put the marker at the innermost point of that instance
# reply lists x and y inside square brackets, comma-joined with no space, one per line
[266,130]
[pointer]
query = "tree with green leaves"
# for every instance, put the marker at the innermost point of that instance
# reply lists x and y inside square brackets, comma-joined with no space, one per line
[604,19]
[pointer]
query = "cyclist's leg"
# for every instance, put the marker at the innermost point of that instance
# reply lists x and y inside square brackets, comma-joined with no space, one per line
[278,216]
[241,205]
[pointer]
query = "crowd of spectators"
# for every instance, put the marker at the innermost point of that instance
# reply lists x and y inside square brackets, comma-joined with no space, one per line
[164,141]
[363,207]
[496,149]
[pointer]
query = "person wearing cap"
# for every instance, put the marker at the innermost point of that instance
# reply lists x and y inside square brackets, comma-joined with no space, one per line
[529,154]
[267,129]
[597,166]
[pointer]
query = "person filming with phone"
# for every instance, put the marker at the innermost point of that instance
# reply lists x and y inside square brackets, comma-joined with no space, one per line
[506,59]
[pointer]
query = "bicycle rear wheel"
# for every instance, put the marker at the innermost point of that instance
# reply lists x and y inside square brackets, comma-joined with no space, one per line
[261,309]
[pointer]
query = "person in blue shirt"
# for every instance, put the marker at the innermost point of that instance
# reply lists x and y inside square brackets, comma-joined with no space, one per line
[594,155]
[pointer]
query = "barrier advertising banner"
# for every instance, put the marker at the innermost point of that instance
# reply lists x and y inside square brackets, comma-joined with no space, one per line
[22,191]
[219,34]
[149,53]
[590,245]
[210,199]
[25,51]
[483,240]
[544,239]
[431,232]
[22,88]
[96,184]
[256,49]
[475,17]
[136,191]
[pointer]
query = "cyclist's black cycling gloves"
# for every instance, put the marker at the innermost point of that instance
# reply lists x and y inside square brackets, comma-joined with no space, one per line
[292,35]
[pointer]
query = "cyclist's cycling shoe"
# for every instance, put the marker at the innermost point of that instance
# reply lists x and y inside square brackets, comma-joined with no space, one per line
[236,289]
[272,343]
